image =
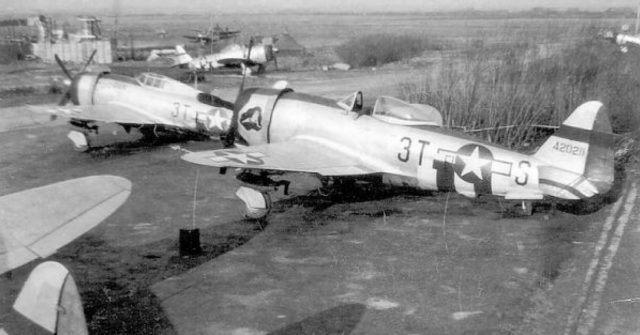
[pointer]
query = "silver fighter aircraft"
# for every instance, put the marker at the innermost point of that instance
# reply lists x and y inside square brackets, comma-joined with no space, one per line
[234,55]
[109,109]
[622,40]
[212,35]
[404,144]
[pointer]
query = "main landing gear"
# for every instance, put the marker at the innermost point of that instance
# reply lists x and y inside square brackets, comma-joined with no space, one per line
[89,135]
[263,179]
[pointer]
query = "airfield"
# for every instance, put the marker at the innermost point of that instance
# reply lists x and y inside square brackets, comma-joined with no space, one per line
[358,261]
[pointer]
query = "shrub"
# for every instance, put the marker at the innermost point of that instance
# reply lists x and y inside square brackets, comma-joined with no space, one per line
[379,49]
[508,92]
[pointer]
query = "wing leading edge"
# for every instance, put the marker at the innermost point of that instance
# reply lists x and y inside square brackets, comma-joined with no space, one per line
[292,156]
[36,222]
[110,113]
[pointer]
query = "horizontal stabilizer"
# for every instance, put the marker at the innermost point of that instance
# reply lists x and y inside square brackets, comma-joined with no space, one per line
[50,299]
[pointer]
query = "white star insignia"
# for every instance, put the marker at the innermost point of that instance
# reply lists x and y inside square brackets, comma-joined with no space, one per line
[216,120]
[473,163]
[238,157]
[241,157]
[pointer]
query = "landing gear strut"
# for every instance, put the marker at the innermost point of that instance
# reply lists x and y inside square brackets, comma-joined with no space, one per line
[263,179]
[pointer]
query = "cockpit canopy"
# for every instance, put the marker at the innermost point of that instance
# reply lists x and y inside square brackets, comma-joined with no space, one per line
[396,111]
[158,81]
[213,100]
[152,79]
[352,102]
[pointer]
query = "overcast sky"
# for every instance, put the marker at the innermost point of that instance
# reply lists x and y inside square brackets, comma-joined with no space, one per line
[169,6]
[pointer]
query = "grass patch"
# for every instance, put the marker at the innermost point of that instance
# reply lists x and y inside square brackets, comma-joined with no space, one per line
[114,282]
[379,49]
[506,90]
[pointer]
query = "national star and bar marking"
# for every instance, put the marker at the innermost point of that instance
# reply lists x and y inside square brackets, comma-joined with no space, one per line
[474,163]
[247,158]
[215,119]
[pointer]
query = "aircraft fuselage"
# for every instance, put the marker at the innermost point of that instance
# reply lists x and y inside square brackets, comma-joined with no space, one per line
[155,100]
[429,158]
[184,111]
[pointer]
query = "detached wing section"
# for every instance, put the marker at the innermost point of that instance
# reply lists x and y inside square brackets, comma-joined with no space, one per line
[113,112]
[291,156]
[37,222]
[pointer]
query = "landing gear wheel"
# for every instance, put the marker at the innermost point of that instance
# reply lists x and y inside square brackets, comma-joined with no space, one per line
[80,142]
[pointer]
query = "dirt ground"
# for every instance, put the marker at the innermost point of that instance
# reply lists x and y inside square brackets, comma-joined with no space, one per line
[366,261]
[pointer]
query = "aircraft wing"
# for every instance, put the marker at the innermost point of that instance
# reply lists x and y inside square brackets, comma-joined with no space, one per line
[229,34]
[37,222]
[196,39]
[235,61]
[292,156]
[112,112]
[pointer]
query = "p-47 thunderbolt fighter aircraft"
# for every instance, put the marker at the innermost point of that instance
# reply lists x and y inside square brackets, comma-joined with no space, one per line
[110,109]
[234,55]
[406,145]
[212,35]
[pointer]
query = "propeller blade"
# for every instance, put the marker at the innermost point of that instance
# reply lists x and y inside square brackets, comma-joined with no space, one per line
[230,138]
[88,61]
[64,69]
[244,71]
[65,98]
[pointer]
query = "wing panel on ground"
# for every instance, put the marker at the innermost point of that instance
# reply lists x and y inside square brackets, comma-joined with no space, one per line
[292,156]
[36,222]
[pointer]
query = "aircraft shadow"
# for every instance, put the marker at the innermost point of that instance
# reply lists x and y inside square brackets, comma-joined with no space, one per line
[148,143]
[349,192]
[341,319]
[557,237]
[557,246]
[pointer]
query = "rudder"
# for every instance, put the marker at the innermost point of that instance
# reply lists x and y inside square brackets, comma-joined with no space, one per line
[579,155]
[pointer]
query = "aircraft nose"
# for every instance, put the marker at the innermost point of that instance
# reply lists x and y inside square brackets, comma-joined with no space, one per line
[82,88]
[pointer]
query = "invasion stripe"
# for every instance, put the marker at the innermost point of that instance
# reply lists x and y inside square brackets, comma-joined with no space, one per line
[587,136]
[564,187]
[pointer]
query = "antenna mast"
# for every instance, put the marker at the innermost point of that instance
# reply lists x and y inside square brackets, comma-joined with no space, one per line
[637,18]
[116,13]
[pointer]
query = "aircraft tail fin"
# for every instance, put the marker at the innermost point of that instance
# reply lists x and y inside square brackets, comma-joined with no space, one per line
[181,57]
[49,300]
[579,157]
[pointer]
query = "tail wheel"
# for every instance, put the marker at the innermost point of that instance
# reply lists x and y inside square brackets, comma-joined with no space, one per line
[527,208]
